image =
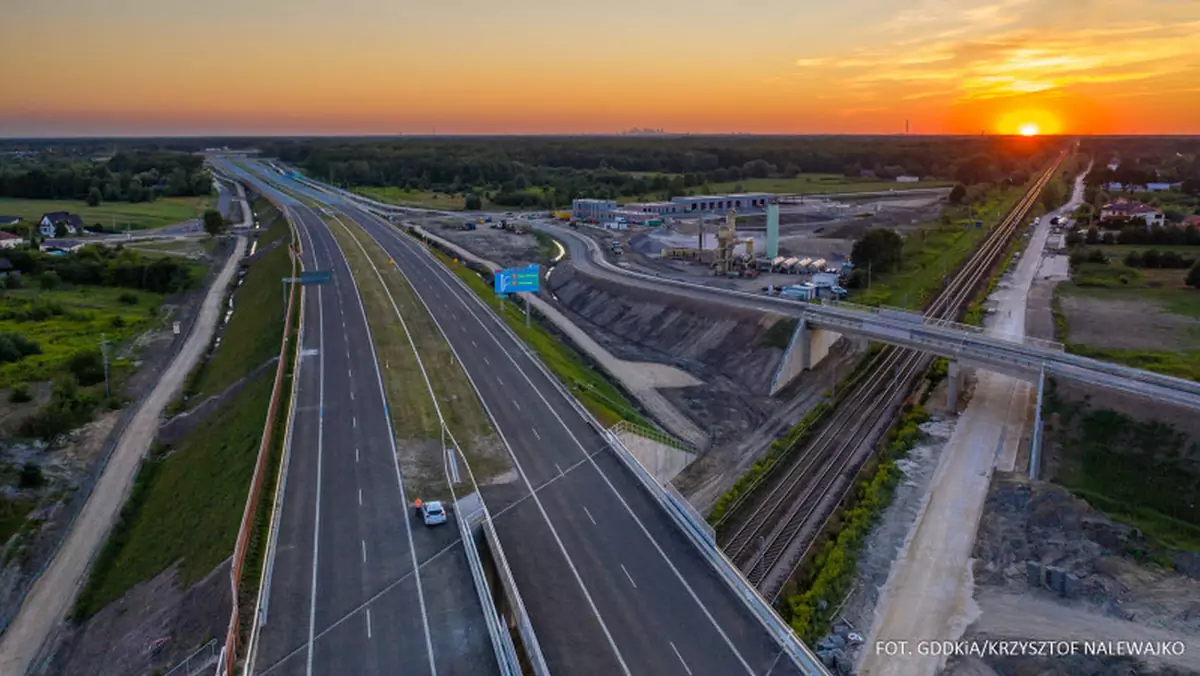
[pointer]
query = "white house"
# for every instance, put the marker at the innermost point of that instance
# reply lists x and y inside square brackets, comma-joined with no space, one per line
[1123,210]
[9,240]
[72,222]
[907,179]
[1158,187]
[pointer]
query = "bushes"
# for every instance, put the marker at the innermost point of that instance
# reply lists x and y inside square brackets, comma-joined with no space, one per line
[19,394]
[68,409]
[15,347]
[833,567]
[1168,260]
[87,366]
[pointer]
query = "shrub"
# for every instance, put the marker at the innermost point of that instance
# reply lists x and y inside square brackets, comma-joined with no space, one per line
[117,322]
[15,347]
[87,366]
[50,280]
[31,476]
[20,394]
[128,298]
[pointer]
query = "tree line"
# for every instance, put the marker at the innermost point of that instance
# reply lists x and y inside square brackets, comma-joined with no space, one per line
[518,171]
[135,176]
[101,265]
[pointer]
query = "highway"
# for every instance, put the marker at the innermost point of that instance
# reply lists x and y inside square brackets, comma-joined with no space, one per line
[357,586]
[611,584]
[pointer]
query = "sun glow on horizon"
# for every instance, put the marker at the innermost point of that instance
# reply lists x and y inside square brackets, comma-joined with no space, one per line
[1029,129]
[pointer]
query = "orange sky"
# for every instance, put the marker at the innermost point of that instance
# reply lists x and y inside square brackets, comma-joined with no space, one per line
[105,67]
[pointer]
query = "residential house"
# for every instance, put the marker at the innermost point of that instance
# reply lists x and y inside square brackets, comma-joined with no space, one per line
[72,222]
[1122,210]
[9,220]
[907,179]
[9,240]
[1193,220]
[1158,187]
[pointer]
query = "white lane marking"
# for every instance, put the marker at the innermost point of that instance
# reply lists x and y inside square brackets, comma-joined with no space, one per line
[486,361]
[356,455]
[628,576]
[560,472]
[473,344]
[589,516]
[685,666]
[364,550]
[355,421]
[518,404]
[351,372]
[360,497]
[500,380]
[369,627]
[642,526]
[351,395]
[535,433]
[392,437]
[312,605]
[524,477]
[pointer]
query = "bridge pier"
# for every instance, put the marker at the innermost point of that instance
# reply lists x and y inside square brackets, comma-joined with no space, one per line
[1035,453]
[804,336]
[953,384]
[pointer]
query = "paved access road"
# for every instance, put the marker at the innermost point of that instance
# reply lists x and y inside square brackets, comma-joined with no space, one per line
[343,595]
[611,585]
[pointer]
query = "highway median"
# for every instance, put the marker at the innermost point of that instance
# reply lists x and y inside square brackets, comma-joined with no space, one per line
[396,315]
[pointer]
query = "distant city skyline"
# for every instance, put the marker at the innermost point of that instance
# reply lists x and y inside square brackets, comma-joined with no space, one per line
[375,67]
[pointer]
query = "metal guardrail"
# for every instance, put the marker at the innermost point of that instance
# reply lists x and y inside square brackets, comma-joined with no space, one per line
[686,519]
[653,435]
[506,652]
[199,661]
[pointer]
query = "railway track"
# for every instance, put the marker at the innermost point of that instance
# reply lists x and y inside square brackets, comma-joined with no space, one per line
[769,534]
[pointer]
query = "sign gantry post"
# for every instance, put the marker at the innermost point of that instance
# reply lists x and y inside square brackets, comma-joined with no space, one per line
[516,280]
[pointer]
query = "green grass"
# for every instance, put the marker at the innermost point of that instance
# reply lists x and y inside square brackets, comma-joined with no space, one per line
[81,314]
[185,506]
[586,382]
[408,399]
[1136,471]
[424,199]
[12,516]
[1121,250]
[935,251]
[819,184]
[164,211]
[253,334]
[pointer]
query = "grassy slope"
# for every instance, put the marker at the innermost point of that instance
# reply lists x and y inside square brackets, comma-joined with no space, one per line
[185,507]
[933,252]
[88,312]
[817,184]
[164,211]
[591,388]
[254,331]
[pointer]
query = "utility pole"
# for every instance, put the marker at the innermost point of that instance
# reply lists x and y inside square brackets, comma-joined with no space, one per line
[104,353]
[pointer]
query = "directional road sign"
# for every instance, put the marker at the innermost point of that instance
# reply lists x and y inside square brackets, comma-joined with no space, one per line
[516,280]
[311,277]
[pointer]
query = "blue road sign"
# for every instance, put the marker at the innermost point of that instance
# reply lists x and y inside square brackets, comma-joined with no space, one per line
[516,280]
[315,277]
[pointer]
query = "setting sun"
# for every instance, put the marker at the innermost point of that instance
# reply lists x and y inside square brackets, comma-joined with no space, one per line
[1029,129]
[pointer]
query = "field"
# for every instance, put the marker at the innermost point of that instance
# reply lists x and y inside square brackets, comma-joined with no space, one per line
[423,199]
[253,334]
[139,216]
[933,252]
[818,184]
[587,384]
[1159,316]
[69,320]
[185,505]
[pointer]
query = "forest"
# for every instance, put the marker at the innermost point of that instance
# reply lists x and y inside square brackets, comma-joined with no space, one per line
[137,175]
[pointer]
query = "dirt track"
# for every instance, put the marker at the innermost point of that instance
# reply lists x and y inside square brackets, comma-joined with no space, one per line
[51,596]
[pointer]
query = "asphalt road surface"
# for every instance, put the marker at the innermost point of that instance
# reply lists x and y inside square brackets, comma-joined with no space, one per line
[358,586]
[611,584]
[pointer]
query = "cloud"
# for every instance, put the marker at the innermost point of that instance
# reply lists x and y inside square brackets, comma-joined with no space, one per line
[1014,61]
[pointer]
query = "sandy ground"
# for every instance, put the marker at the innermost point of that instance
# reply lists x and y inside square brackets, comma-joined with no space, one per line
[1092,321]
[929,593]
[51,596]
[642,379]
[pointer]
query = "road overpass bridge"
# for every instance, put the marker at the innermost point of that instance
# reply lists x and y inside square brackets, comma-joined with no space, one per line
[820,324]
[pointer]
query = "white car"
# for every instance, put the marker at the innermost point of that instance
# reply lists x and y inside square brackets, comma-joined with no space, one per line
[433,513]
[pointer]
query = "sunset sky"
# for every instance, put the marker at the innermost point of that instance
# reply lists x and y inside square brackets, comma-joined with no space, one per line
[164,67]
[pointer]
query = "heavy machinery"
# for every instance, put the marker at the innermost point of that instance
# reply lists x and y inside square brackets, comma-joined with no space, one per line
[725,261]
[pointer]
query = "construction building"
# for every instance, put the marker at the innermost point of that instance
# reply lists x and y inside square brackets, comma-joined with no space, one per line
[599,211]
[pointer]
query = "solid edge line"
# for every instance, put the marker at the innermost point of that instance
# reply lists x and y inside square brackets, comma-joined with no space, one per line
[391,440]
[516,462]
[312,609]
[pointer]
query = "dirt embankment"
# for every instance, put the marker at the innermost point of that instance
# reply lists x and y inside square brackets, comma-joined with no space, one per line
[727,348]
